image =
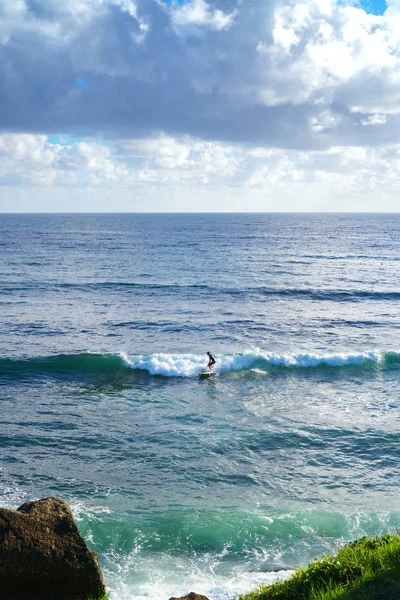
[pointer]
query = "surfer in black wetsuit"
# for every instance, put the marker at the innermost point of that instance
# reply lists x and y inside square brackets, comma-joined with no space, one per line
[211,361]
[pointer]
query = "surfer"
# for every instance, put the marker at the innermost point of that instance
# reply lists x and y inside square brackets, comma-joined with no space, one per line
[211,361]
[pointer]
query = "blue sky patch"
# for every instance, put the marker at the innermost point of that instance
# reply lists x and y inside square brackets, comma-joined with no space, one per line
[80,81]
[373,7]
[63,140]
[69,140]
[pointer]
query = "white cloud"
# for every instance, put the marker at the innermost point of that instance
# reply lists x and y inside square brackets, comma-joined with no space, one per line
[31,160]
[12,9]
[168,162]
[319,50]
[203,95]
[199,70]
[165,159]
[374,119]
[200,14]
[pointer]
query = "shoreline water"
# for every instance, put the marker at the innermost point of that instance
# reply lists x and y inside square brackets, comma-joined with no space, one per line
[44,533]
[291,451]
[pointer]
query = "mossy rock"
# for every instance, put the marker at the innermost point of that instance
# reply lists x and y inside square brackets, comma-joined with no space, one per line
[43,555]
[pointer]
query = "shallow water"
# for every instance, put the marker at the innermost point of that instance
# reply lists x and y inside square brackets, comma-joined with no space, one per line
[214,485]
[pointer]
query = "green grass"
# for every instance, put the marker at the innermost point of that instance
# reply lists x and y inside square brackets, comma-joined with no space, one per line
[367,569]
[372,586]
[105,597]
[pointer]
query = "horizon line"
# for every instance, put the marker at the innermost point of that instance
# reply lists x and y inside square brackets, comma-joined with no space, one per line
[284,212]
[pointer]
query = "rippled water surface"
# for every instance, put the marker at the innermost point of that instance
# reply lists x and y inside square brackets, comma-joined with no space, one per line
[290,449]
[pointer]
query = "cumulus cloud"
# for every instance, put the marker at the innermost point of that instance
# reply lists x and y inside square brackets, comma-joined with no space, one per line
[189,162]
[31,159]
[265,96]
[293,74]
[198,13]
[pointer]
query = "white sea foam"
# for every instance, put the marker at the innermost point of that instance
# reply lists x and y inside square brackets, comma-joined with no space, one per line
[11,494]
[144,575]
[169,365]
[161,582]
[190,365]
[82,510]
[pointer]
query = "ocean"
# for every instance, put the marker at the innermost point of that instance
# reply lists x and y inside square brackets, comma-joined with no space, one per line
[289,451]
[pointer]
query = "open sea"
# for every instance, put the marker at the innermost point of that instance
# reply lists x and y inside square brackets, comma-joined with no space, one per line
[290,450]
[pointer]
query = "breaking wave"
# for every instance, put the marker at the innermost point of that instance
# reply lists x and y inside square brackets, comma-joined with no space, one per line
[190,365]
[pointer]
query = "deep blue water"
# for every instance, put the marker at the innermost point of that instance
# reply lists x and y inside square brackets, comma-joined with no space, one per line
[289,450]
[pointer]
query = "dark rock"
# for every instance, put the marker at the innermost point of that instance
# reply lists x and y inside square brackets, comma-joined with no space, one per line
[43,556]
[191,596]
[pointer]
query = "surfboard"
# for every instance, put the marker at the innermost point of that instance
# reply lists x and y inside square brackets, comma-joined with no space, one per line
[205,374]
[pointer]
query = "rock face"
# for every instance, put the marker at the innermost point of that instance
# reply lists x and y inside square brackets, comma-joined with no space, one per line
[43,556]
[191,596]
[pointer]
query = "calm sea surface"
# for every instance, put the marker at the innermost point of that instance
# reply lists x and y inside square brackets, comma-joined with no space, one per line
[180,484]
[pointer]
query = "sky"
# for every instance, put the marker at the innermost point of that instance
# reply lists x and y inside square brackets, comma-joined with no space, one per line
[199,105]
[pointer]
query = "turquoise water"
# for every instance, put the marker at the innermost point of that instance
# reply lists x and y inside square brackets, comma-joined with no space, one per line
[215,485]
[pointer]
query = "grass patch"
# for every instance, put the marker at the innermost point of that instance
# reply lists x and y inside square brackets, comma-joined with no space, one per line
[367,569]
[105,597]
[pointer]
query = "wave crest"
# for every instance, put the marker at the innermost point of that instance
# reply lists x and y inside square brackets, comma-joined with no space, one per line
[190,365]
